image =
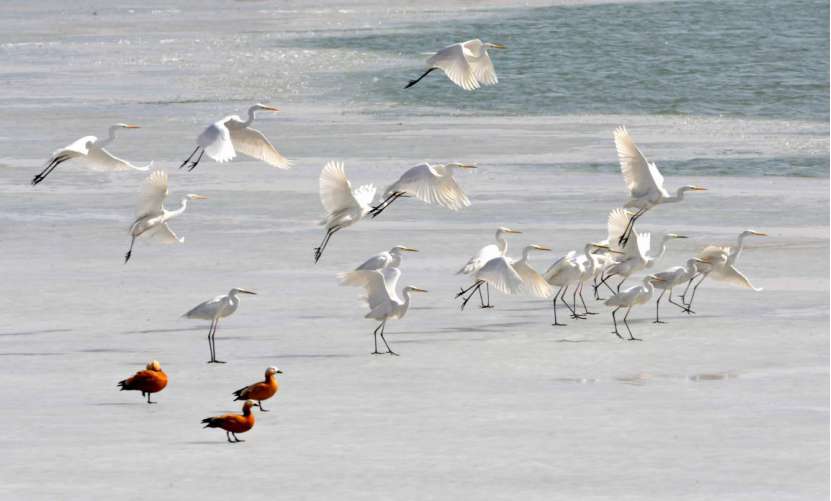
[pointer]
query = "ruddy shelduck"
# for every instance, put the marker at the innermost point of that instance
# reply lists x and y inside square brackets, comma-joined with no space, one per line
[262,390]
[233,423]
[151,380]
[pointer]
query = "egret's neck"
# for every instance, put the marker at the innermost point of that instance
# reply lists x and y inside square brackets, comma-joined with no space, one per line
[679,195]
[590,262]
[501,243]
[739,247]
[181,209]
[110,136]
[647,285]
[653,259]
[251,111]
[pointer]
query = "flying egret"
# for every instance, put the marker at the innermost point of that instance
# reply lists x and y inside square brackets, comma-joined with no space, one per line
[151,216]
[722,263]
[567,271]
[485,254]
[609,250]
[673,277]
[502,273]
[643,180]
[432,184]
[381,297]
[223,139]
[636,257]
[466,64]
[213,310]
[629,298]
[344,206]
[387,259]
[92,154]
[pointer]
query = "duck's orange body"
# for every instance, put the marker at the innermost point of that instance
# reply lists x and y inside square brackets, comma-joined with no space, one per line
[262,390]
[233,423]
[151,380]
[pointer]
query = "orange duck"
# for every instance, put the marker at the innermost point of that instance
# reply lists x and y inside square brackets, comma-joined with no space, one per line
[151,380]
[262,390]
[233,423]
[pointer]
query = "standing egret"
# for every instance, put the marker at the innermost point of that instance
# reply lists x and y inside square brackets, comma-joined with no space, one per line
[223,139]
[213,310]
[381,297]
[592,263]
[567,271]
[466,64]
[722,263]
[387,259]
[151,216]
[636,257]
[643,180]
[344,206]
[505,277]
[630,297]
[673,277]
[92,154]
[485,254]
[432,184]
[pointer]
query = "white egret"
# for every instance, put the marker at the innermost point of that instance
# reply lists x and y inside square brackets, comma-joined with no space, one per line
[567,271]
[485,254]
[151,216]
[344,206]
[501,272]
[387,259]
[592,264]
[213,310]
[432,184]
[92,154]
[629,298]
[223,139]
[609,250]
[722,263]
[636,257]
[673,277]
[381,297]
[466,64]
[643,180]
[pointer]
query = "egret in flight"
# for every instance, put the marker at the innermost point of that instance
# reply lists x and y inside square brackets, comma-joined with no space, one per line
[673,277]
[643,180]
[92,153]
[636,257]
[387,259]
[223,139]
[485,254]
[629,298]
[466,64]
[381,297]
[344,206]
[721,261]
[432,184]
[508,276]
[151,216]
[213,310]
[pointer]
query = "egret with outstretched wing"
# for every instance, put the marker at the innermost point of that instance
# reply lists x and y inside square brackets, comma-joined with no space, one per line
[432,184]
[344,206]
[466,64]
[387,259]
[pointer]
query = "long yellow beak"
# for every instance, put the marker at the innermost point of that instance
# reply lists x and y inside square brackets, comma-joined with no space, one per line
[760,234]
[198,197]
[408,249]
[270,108]
[417,289]
[698,188]
[512,231]
[541,247]
[132,127]
[498,46]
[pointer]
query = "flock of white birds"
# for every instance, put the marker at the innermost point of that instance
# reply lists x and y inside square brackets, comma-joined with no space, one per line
[622,254]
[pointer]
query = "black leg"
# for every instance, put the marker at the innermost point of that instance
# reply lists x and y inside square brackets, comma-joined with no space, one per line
[383,326]
[630,226]
[228,435]
[559,291]
[188,158]
[148,399]
[49,168]
[375,336]
[260,405]
[614,321]
[692,297]
[213,345]
[582,300]
[680,305]
[621,283]
[488,289]
[658,307]
[574,313]
[563,299]
[319,250]
[386,203]
[236,438]
[417,80]
[130,250]
[603,280]
[477,285]
[626,323]
[194,163]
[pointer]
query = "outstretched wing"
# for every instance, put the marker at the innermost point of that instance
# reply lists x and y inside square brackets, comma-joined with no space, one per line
[101,159]
[79,147]
[642,178]
[163,234]
[379,285]
[532,282]
[431,186]
[732,275]
[364,195]
[644,241]
[559,265]
[616,225]
[335,189]
[216,140]
[452,61]
[499,273]
[376,262]
[152,194]
[482,66]
[253,143]
[476,262]
[715,253]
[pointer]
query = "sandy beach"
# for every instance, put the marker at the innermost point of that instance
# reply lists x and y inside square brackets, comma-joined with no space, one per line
[730,403]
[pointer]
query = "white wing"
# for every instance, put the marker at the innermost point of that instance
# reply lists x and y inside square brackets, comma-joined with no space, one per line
[430,186]
[376,262]
[379,287]
[559,264]
[253,143]
[715,253]
[152,194]
[452,61]
[101,159]
[499,273]
[476,262]
[364,194]
[732,275]
[206,310]
[163,234]
[335,189]
[77,148]
[216,140]
[482,66]
[616,225]
[532,282]
[642,178]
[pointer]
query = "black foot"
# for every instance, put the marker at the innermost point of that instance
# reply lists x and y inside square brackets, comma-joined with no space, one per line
[216,362]
[318,254]
[658,322]
[393,353]
[633,338]
[127,256]
[558,324]
[577,316]
[36,180]
[486,306]
[688,311]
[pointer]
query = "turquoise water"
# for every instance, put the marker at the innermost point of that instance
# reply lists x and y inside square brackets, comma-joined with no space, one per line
[744,58]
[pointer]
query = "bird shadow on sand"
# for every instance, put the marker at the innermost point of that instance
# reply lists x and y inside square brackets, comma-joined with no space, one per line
[161,331]
[31,333]
[118,404]
[31,354]
[206,442]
